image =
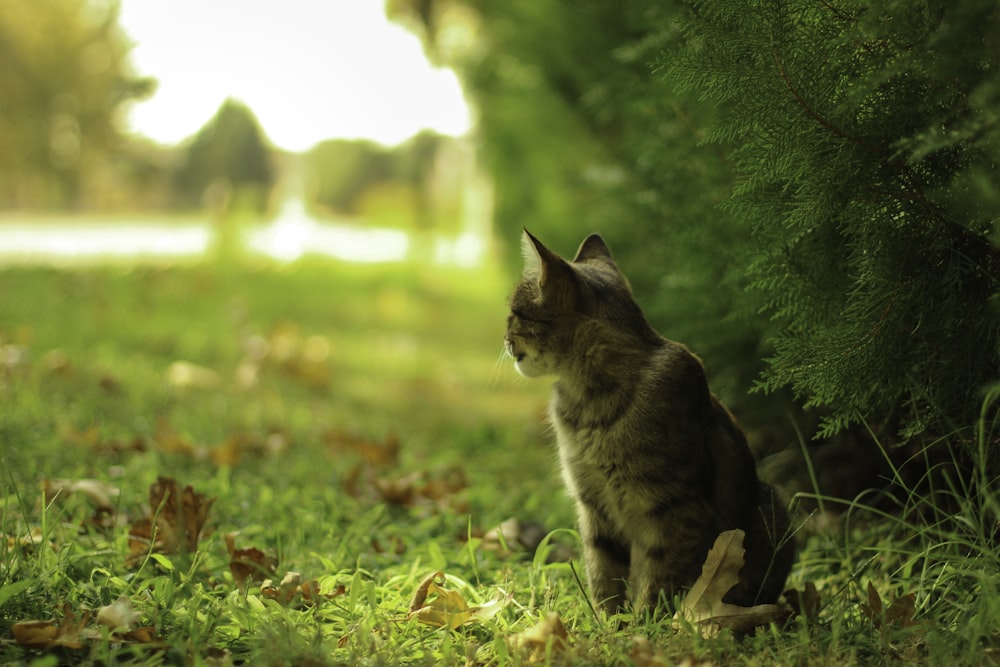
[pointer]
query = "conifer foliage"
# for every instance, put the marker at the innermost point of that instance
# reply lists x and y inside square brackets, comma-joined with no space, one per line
[808,182]
[864,137]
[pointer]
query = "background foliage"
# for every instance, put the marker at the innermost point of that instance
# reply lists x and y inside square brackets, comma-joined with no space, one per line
[64,77]
[818,178]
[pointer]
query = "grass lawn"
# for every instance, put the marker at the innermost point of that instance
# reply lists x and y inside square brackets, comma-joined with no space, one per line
[355,425]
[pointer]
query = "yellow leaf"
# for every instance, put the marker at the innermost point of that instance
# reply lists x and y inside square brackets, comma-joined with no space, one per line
[442,607]
[549,634]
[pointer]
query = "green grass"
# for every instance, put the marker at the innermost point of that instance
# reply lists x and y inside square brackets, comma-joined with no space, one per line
[299,367]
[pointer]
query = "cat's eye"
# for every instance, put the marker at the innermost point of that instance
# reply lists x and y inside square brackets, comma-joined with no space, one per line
[520,314]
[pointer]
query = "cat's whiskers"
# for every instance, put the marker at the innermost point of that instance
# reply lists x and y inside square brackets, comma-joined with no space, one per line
[500,369]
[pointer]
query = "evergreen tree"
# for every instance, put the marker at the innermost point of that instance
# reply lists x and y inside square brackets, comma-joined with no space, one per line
[864,135]
[813,183]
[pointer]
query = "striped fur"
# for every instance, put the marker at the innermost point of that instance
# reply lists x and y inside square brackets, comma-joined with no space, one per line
[656,464]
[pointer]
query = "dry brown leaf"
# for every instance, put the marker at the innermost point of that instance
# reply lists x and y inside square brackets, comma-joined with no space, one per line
[436,605]
[46,634]
[400,490]
[546,638]
[901,610]
[806,602]
[419,488]
[703,605]
[292,588]
[177,517]
[381,454]
[168,440]
[898,613]
[645,654]
[249,563]
[90,437]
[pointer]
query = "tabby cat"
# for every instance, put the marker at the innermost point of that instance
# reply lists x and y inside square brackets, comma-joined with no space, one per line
[657,466]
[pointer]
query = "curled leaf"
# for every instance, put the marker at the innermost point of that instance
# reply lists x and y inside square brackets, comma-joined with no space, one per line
[434,604]
[102,494]
[545,638]
[46,634]
[703,605]
[120,615]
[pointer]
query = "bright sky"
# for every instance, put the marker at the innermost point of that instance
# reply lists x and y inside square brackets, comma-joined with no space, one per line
[309,70]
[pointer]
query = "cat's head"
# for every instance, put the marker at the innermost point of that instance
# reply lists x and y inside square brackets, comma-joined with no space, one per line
[560,307]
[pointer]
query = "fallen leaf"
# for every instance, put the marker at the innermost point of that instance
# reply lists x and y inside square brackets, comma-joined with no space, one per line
[305,359]
[901,610]
[805,602]
[102,494]
[291,588]
[514,535]
[168,440]
[381,454]
[46,634]
[546,638]
[703,605]
[248,564]
[144,635]
[26,543]
[899,613]
[120,616]
[177,517]
[436,605]
[644,654]
[419,488]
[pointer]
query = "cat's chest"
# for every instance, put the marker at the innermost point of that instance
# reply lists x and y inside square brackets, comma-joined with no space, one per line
[594,457]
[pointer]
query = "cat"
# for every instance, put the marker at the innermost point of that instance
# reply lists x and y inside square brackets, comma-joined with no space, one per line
[656,465]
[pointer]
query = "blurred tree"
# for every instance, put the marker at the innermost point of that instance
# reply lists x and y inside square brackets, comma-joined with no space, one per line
[339,170]
[580,136]
[64,76]
[228,163]
[810,182]
[383,185]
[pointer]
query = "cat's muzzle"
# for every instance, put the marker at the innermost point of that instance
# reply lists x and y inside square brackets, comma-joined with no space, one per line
[508,346]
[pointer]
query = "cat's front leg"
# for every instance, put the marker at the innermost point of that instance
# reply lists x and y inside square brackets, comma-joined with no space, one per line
[606,557]
[654,578]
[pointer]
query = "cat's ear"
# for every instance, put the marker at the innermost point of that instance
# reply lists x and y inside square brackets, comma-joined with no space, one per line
[531,251]
[593,247]
[555,276]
